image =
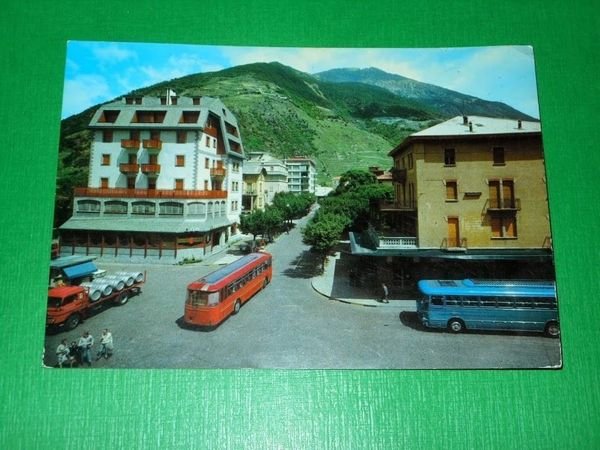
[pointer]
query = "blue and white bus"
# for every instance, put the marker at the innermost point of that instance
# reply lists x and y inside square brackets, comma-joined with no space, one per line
[515,305]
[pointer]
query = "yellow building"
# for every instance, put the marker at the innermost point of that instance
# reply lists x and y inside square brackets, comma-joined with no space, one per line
[472,183]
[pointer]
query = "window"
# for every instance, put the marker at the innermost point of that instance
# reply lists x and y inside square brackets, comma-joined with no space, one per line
[134,135]
[107,135]
[106,159]
[171,208]
[109,116]
[151,183]
[498,153]
[88,206]
[189,117]
[451,191]
[502,194]
[206,185]
[155,135]
[115,207]
[146,208]
[149,116]
[130,182]
[181,137]
[197,209]
[179,160]
[449,157]
[410,160]
[504,226]
[196,100]
[179,184]
[206,163]
[104,183]
[208,141]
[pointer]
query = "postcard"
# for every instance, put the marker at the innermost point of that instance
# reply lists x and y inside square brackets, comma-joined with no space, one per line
[301,208]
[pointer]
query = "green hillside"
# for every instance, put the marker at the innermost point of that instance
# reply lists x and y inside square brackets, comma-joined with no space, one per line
[341,125]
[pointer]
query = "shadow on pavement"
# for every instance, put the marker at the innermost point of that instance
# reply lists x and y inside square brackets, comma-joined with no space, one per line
[410,319]
[305,265]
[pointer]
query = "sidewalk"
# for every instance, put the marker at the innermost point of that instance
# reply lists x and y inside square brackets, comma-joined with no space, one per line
[334,283]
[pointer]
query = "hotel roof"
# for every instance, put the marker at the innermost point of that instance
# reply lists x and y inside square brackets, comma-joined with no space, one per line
[469,127]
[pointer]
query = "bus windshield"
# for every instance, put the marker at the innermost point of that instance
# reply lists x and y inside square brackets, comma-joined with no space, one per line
[202,298]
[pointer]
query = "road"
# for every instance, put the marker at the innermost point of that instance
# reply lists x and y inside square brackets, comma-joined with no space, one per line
[289,325]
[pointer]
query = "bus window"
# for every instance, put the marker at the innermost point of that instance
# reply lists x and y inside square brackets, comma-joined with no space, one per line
[471,301]
[437,300]
[452,300]
[202,298]
[488,301]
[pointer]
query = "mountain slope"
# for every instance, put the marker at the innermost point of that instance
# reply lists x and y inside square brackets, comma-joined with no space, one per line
[443,101]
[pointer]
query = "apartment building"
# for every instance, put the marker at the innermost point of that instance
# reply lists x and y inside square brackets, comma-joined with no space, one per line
[470,188]
[264,176]
[302,174]
[165,180]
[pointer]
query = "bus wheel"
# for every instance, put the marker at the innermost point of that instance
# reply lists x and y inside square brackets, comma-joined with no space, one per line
[265,282]
[552,329]
[237,306]
[122,299]
[456,325]
[72,321]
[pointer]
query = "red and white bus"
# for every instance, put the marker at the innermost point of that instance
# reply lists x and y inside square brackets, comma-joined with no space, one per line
[211,299]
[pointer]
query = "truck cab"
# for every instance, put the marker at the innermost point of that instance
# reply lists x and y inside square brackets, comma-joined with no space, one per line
[66,305]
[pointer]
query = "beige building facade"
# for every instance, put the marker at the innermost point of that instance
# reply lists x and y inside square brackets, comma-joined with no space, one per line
[472,183]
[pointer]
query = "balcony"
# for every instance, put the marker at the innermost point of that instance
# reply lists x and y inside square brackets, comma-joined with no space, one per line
[130,144]
[387,205]
[151,169]
[148,193]
[397,242]
[129,169]
[152,144]
[218,173]
[501,204]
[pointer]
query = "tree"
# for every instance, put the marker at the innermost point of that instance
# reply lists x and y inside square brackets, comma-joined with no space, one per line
[323,232]
[352,179]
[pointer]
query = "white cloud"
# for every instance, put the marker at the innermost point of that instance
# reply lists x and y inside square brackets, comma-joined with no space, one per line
[112,54]
[83,91]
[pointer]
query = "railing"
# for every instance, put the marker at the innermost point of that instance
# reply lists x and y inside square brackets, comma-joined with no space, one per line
[397,242]
[150,168]
[503,204]
[147,193]
[152,144]
[129,168]
[218,172]
[130,144]
[396,205]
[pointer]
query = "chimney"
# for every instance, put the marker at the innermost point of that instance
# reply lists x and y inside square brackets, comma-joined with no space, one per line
[519,125]
[471,127]
[465,120]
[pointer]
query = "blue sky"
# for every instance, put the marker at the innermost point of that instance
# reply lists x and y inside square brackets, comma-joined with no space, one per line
[99,71]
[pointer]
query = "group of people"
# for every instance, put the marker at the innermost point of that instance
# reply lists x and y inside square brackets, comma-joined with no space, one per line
[80,352]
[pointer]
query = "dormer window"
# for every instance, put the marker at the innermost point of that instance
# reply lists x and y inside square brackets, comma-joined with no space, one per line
[109,116]
[189,117]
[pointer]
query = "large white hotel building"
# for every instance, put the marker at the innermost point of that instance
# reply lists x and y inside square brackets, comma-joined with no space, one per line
[165,180]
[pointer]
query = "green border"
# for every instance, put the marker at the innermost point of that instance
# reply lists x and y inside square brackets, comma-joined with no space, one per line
[297,409]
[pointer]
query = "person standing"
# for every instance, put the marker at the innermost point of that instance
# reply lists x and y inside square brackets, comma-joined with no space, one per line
[106,340]
[85,345]
[384,293]
[63,354]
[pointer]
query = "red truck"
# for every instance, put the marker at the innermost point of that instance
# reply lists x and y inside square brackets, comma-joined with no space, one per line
[69,305]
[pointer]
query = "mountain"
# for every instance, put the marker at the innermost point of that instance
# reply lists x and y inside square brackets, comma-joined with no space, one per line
[344,119]
[443,101]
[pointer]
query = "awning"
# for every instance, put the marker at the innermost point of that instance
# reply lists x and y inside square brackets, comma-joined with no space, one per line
[80,270]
